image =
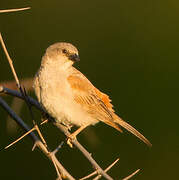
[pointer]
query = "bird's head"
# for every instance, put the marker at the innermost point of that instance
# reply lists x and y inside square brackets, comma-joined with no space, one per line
[63,52]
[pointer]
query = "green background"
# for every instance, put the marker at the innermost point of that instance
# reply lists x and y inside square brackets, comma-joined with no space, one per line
[129,50]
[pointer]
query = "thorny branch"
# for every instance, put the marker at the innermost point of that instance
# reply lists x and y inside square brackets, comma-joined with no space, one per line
[34,103]
[84,151]
[66,132]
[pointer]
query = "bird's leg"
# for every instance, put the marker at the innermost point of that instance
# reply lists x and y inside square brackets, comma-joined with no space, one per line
[72,136]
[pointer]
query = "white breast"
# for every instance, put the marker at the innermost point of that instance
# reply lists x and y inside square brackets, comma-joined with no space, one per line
[57,98]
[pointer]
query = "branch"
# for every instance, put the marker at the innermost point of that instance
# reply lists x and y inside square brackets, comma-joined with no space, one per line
[64,130]
[75,142]
[35,139]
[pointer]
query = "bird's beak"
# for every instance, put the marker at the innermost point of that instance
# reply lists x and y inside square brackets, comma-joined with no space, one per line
[74,57]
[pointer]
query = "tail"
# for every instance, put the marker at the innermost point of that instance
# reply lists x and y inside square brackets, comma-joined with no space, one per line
[127,126]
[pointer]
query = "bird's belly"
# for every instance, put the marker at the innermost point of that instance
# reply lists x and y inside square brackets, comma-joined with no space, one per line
[62,107]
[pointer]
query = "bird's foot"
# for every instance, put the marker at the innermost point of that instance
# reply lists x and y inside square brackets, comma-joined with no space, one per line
[70,139]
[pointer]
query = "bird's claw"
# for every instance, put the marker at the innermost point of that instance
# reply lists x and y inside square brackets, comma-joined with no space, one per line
[70,140]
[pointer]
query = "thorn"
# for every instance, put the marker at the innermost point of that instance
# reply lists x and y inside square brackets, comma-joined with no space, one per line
[107,169]
[19,138]
[59,147]
[96,172]
[14,10]
[131,175]
[40,134]
[44,121]
[34,146]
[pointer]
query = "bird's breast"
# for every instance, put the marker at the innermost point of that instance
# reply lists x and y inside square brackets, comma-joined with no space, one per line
[57,98]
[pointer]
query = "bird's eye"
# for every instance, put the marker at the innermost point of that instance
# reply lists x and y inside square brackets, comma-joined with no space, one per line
[64,51]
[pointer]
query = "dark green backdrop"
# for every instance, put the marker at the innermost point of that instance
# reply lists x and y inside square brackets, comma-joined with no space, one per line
[129,50]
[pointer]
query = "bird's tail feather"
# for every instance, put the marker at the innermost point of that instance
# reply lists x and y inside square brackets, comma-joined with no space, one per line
[128,127]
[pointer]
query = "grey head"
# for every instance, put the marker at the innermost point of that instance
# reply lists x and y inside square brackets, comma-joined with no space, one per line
[63,50]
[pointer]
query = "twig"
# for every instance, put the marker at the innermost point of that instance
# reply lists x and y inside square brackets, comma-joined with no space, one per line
[33,129]
[14,142]
[99,176]
[10,61]
[14,10]
[131,175]
[57,170]
[40,134]
[53,153]
[35,139]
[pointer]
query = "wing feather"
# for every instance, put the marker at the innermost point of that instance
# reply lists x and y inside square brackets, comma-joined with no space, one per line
[91,99]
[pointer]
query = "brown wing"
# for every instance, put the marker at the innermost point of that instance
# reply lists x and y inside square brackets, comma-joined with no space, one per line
[97,104]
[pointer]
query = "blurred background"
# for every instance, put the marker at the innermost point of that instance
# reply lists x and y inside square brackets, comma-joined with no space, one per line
[129,50]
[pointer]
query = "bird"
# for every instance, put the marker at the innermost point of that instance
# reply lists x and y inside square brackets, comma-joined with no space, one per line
[69,97]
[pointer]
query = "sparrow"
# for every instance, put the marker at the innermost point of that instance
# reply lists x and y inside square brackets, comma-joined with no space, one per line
[69,97]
